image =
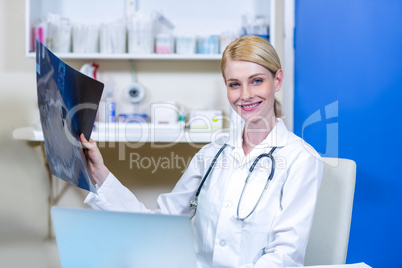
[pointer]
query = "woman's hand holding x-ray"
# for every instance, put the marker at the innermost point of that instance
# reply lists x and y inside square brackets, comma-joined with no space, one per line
[96,166]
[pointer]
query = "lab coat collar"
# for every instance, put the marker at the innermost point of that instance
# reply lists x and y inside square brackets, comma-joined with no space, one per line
[276,138]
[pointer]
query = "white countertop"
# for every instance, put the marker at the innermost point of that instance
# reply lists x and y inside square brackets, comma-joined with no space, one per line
[114,132]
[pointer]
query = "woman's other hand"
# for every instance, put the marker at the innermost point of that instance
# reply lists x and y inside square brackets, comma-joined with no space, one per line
[96,166]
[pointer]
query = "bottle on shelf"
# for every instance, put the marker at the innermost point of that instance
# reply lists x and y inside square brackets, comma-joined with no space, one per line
[107,106]
[110,107]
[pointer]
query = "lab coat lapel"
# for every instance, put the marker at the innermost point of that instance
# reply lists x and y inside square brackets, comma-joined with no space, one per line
[276,138]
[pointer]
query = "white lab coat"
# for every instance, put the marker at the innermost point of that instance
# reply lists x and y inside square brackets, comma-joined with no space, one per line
[275,235]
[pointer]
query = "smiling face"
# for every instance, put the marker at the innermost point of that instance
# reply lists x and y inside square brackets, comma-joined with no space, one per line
[251,89]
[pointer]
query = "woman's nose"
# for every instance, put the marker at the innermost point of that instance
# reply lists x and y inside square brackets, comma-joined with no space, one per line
[246,93]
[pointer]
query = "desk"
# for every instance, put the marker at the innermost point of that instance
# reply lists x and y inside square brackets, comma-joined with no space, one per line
[354,265]
[131,134]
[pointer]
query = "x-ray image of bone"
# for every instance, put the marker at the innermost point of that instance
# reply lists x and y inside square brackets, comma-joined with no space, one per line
[68,102]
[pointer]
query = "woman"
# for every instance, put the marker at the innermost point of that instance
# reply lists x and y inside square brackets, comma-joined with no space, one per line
[239,225]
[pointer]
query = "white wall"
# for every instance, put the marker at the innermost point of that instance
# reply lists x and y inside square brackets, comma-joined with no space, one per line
[23,189]
[24,186]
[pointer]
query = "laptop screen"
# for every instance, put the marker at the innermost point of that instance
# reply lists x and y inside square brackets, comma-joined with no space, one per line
[93,238]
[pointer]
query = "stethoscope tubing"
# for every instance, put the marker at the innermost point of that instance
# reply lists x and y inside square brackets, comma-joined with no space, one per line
[210,169]
[271,175]
[194,203]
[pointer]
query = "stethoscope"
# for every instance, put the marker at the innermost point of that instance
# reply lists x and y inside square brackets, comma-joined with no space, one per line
[194,203]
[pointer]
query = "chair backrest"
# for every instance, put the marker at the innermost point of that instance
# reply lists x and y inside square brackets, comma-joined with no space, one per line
[329,238]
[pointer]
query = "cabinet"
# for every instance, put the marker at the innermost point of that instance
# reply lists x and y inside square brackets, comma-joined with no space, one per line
[190,18]
[197,18]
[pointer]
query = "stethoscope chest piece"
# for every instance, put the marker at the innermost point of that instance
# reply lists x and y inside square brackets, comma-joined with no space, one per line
[193,204]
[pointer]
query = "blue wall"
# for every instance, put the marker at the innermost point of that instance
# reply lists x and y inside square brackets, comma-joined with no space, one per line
[348,56]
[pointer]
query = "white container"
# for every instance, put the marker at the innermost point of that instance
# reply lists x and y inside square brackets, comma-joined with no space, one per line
[113,37]
[164,43]
[164,113]
[226,39]
[85,38]
[140,28]
[59,33]
[205,120]
[186,45]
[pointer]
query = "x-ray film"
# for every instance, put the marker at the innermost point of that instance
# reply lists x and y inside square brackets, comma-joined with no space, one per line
[68,101]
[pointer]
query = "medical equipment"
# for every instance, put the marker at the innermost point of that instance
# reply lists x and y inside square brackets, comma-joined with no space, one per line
[255,25]
[112,37]
[135,92]
[133,118]
[90,69]
[208,44]
[59,32]
[226,38]
[85,38]
[186,44]
[165,113]
[133,97]
[107,106]
[39,31]
[205,120]
[164,43]
[141,31]
[194,203]
[110,106]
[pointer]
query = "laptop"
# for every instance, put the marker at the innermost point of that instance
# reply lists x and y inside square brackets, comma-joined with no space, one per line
[92,238]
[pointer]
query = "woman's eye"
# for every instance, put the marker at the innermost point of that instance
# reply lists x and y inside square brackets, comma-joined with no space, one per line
[257,81]
[232,85]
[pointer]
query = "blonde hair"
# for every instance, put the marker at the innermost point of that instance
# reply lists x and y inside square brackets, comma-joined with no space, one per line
[254,49]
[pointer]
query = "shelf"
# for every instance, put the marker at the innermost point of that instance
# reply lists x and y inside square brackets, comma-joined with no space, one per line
[198,19]
[127,56]
[140,133]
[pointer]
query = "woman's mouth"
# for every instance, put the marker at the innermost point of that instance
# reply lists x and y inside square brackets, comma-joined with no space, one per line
[250,107]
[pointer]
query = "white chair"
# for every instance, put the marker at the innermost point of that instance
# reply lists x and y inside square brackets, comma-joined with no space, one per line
[329,238]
